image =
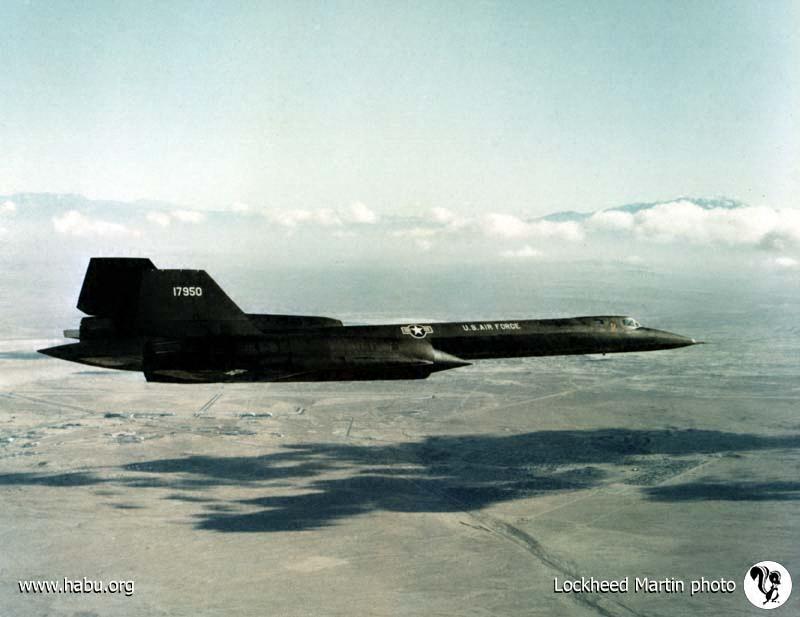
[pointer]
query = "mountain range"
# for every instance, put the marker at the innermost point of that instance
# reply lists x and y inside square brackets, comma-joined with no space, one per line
[30,222]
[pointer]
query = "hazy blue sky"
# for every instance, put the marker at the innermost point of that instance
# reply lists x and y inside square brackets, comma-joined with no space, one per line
[524,106]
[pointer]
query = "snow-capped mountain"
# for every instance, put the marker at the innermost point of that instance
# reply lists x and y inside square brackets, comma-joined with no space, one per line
[720,203]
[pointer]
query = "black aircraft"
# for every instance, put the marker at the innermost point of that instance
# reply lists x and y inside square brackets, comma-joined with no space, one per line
[178,326]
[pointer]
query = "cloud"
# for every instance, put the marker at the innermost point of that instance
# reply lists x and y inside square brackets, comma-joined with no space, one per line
[359,213]
[786,262]
[240,207]
[415,232]
[326,217]
[443,215]
[569,231]
[526,252]
[450,219]
[74,223]
[159,218]
[441,221]
[510,234]
[510,226]
[506,225]
[685,221]
[293,218]
[611,220]
[679,221]
[288,218]
[164,219]
[188,216]
[422,236]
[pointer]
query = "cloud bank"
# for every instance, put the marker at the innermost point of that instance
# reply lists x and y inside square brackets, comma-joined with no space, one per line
[73,223]
[639,234]
[685,221]
[510,226]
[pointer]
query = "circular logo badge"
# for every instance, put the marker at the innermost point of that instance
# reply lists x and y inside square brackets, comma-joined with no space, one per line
[767,584]
[416,330]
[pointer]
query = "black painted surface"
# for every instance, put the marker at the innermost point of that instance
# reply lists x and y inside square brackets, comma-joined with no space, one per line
[182,328]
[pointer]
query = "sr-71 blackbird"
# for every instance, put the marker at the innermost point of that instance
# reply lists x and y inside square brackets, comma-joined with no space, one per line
[178,326]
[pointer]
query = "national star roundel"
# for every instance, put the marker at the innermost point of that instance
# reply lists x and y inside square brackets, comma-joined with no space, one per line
[416,330]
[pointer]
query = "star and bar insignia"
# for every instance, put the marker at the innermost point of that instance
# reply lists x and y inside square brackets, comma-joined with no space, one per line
[416,330]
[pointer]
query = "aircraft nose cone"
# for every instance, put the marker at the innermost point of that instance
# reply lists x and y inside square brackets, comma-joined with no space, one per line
[62,352]
[670,340]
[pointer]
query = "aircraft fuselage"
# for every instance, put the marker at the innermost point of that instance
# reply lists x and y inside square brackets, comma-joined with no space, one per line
[179,326]
[410,351]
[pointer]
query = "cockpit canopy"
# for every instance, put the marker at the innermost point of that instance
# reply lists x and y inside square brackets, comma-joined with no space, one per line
[630,322]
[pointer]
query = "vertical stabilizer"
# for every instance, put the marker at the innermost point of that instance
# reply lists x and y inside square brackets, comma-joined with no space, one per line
[111,287]
[176,303]
[130,296]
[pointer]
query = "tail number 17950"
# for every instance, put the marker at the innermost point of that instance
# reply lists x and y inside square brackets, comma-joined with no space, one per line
[187,291]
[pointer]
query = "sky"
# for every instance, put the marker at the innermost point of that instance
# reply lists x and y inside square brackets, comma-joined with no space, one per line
[473,107]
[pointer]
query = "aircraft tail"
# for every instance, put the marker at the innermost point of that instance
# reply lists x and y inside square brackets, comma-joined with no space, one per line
[111,288]
[139,299]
